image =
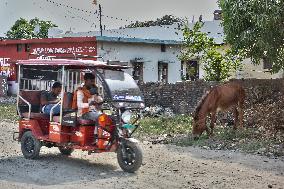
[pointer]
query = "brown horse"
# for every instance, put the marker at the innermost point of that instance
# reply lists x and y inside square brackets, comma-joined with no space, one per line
[219,98]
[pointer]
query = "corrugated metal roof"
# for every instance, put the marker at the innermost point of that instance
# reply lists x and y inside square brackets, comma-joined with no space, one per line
[167,34]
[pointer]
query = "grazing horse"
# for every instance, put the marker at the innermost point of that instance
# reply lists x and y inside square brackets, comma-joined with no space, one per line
[219,98]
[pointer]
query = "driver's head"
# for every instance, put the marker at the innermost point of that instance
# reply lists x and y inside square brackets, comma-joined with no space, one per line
[89,80]
[56,88]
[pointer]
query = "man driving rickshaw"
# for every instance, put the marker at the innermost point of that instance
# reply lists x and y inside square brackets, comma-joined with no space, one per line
[86,99]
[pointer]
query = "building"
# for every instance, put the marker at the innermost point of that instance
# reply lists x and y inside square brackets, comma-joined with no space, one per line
[151,51]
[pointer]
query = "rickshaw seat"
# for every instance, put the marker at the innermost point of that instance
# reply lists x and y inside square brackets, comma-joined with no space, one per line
[35,115]
[33,97]
[85,122]
[80,121]
[67,107]
[67,101]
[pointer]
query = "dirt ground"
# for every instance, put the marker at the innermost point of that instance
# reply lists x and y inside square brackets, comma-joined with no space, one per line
[164,166]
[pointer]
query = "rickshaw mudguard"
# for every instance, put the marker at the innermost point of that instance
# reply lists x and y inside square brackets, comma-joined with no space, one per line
[30,125]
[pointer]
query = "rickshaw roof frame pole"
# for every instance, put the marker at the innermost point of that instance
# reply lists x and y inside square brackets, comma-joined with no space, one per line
[18,92]
[62,93]
[20,97]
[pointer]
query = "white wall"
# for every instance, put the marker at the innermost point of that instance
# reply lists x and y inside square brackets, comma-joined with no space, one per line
[256,71]
[249,70]
[151,53]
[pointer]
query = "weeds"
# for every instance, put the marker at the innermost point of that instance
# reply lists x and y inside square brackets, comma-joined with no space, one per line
[177,130]
[8,112]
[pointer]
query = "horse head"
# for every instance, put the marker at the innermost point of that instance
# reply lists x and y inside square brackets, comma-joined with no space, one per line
[199,117]
[198,127]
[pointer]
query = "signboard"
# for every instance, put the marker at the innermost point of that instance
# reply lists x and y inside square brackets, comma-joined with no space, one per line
[7,69]
[62,50]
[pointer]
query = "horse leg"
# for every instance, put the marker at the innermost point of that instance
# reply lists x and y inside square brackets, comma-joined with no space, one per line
[213,120]
[206,128]
[236,116]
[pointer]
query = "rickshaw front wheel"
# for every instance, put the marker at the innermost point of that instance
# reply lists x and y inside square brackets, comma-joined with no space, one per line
[129,156]
[30,146]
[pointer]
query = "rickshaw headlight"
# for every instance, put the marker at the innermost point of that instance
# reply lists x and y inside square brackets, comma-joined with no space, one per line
[126,116]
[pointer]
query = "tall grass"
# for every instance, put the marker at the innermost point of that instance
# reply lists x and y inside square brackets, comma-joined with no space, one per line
[8,112]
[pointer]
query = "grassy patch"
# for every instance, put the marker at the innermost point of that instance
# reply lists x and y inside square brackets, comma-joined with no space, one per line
[161,125]
[8,112]
[179,128]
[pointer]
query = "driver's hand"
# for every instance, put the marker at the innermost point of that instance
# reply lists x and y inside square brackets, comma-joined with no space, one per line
[92,103]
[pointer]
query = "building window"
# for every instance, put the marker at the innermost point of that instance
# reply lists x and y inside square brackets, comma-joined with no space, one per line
[19,47]
[190,70]
[163,72]
[267,64]
[27,47]
[137,73]
[163,48]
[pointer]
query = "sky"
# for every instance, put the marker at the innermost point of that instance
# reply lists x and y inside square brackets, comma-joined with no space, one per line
[115,13]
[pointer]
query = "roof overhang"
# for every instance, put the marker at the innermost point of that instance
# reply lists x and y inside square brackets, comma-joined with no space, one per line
[137,40]
[165,62]
[77,64]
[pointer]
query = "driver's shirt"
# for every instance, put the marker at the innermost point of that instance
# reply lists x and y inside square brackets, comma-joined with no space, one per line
[81,104]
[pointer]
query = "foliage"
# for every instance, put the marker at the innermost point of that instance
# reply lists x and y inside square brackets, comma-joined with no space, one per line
[218,65]
[165,125]
[165,20]
[256,27]
[24,29]
[177,130]
[8,112]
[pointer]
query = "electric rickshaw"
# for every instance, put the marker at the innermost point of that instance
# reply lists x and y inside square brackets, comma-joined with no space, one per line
[111,132]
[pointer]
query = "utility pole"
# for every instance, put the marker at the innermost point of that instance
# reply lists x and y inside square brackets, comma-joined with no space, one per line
[100,12]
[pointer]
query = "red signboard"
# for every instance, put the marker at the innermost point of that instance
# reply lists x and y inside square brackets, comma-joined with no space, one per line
[13,50]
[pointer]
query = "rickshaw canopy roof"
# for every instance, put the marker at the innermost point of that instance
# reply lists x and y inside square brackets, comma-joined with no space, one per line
[79,64]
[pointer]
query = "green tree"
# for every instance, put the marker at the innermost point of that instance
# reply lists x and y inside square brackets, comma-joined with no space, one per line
[24,29]
[255,27]
[218,64]
[165,20]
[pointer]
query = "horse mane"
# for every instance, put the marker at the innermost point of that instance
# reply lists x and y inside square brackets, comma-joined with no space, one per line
[199,105]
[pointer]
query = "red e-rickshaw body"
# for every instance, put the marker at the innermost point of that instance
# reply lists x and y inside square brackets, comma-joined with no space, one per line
[109,133]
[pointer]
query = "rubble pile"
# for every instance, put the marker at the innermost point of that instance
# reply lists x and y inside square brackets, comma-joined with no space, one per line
[157,111]
[8,100]
[267,116]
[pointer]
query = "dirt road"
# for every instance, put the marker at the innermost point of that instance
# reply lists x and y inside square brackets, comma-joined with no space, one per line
[165,166]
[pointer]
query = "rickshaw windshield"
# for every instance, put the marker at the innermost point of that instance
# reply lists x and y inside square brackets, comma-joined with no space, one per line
[122,86]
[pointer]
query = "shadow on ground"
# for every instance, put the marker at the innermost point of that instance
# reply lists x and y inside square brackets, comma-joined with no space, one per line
[55,169]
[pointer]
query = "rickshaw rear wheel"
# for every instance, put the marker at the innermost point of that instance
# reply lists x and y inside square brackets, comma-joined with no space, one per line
[132,160]
[30,146]
[65,150]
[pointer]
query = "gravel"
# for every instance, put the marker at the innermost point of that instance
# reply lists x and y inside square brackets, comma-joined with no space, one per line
[164,166]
